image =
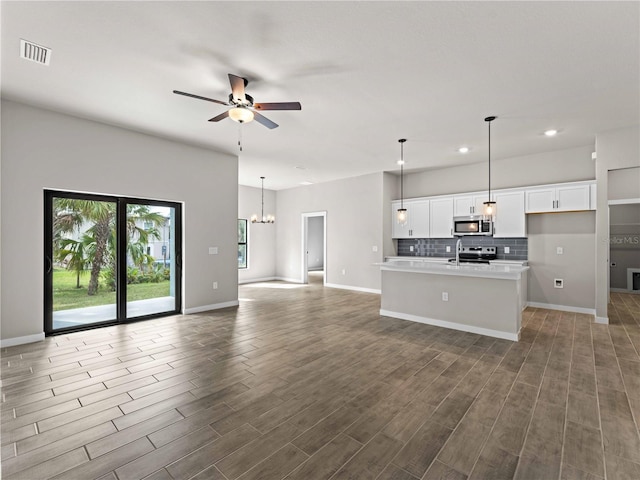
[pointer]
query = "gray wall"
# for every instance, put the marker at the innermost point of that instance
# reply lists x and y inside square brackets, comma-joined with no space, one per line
[354,225]
[262,237]
[46,150]
[616,150]
[315,243]
[558,166]
[624,227]
[575,233]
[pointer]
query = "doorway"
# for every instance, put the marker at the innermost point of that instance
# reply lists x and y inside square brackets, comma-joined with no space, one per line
[109,260]
[314,247]
[624,246]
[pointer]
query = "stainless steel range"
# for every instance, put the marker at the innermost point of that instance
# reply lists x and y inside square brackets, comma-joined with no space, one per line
[476,254]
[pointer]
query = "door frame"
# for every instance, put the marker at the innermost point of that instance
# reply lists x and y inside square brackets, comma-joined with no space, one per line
[121,203]
[304,245]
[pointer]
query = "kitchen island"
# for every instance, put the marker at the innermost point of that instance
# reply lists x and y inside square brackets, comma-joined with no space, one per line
[483,299]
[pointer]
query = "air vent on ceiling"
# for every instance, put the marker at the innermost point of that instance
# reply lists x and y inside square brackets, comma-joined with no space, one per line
[34,52]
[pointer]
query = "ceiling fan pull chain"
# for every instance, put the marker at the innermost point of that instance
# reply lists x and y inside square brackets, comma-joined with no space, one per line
[240,136]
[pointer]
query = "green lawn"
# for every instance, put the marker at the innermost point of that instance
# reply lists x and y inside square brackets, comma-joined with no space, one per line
[66,296]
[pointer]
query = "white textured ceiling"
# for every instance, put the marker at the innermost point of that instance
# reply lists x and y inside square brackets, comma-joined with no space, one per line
[366,73]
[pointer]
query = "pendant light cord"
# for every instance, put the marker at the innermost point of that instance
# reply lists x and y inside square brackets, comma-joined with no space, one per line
[490,160]
[262,218]
[402,175]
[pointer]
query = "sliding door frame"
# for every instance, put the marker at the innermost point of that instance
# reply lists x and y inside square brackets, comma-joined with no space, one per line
[121,204]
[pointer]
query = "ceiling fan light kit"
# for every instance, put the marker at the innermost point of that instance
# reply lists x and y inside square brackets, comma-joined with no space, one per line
[243,109]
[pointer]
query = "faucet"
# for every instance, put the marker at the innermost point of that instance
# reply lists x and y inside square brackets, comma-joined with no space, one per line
[458,245]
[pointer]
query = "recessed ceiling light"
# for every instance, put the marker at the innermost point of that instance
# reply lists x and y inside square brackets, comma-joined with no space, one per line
[463,150]
[301,168]
[306,183]
[551,133]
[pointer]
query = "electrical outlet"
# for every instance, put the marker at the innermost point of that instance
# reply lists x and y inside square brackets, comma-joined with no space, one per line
[411,248]
[448,249]
[558,283]
[507,249]
[374,248]
[215,285]
[445,296]
[213,250]
[344,272]
[559,250]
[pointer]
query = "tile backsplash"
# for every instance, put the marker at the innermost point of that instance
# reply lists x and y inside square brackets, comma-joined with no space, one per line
[436,247]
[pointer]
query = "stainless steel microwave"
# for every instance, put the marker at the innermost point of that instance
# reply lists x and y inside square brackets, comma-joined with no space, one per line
[472,225]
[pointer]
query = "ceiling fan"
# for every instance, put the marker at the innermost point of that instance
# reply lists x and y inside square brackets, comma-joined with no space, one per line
[243,109]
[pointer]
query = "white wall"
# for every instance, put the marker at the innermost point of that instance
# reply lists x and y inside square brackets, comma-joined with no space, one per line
[354,219]
[558,166]
[46,150]
[616,149]
[262,237]
[315,243]
[575,233]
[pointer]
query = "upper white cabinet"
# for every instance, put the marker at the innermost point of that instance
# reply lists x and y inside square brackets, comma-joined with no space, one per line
[510,220]
[469,204]
[441,217]
[558,198]
[417,225]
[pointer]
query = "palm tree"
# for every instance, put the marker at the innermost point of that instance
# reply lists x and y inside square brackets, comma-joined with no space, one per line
[98,244]
[72,253]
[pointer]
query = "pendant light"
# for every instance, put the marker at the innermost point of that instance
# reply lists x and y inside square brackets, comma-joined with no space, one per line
[401,215]
[263,219]
[490,205]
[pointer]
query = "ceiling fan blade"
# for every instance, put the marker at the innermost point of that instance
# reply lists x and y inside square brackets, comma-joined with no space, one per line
[278,106]
[222,116]
[237,87]
[199,97]
[264,120]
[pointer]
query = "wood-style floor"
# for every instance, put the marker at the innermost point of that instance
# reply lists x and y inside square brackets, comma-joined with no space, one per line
[306,382]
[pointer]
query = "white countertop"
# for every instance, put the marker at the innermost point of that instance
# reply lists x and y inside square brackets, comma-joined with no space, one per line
[500,271]
[446,259]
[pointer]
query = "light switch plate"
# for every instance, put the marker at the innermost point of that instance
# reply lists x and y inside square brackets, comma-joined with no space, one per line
[213,250]
[448,249]
[374,248]
[559,250]
[507,249]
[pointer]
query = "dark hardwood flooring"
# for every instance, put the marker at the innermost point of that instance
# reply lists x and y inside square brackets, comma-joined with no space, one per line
[306,382]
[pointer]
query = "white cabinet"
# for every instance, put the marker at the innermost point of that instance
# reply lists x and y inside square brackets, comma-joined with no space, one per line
[558,198]
[593,198]
[469,204]
[441,217]
[510,219]
[417,225]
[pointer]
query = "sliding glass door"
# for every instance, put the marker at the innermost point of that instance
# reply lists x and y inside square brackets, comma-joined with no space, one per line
[109,260]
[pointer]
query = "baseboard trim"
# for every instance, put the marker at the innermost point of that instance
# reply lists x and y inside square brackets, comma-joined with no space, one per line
[12,342]
[602,320]
[215,306]
[355,289]
[257,280]
[514,337]
[562,308]
[288,279]
[624,290]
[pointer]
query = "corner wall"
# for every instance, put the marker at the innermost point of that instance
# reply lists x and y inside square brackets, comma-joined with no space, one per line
[616,149]
[42,150]
[262,237]
[354,219]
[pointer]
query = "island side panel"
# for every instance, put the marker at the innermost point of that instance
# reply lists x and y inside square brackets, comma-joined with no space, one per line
[481,305]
